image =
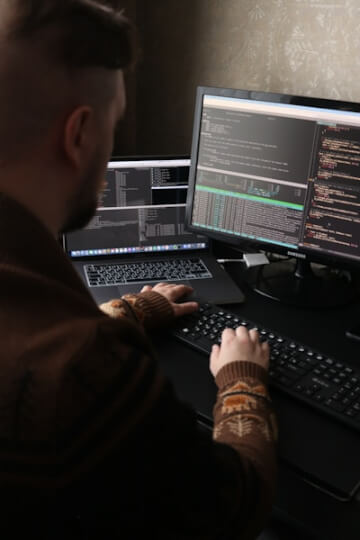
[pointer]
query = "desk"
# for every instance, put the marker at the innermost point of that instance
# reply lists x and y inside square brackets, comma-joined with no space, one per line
[312,448]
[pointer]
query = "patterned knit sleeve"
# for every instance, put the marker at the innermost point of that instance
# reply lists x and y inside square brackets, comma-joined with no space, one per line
[244,419]
[150,309]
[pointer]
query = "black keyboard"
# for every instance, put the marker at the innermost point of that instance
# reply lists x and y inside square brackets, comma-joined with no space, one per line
[324,383]
[100,275]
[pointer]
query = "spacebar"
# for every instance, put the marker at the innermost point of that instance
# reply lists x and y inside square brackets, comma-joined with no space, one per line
[133,280]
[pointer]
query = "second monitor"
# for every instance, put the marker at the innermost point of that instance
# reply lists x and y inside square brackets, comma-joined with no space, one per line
[279,173]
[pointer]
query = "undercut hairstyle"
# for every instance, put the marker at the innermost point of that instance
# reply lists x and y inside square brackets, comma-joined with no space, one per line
[56,54]
[80,33]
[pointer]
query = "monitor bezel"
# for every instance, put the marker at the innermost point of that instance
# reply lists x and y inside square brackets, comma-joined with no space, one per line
[243,244]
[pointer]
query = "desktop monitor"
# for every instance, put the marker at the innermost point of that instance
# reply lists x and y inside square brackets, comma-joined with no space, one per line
[280,174]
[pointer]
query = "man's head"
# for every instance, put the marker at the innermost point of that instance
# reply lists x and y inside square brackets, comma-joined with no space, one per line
[61,96]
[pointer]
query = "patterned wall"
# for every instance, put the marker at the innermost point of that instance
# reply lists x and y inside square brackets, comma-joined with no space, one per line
[306,47]
[311,47]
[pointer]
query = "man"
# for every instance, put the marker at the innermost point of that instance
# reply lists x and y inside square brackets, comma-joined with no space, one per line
[94,443]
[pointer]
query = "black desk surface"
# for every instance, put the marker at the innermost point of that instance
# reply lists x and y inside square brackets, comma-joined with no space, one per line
[319,459]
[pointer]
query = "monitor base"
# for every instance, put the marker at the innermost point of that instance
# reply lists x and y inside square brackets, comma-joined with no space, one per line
[296,282]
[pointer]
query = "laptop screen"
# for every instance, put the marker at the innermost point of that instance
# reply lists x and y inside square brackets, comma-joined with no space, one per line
[141,210]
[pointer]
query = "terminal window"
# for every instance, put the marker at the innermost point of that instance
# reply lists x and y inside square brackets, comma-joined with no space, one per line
[279,174]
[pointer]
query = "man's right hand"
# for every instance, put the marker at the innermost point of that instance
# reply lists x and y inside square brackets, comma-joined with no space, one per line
[239,345]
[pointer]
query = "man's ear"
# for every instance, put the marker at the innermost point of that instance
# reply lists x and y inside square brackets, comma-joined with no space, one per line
[79,135]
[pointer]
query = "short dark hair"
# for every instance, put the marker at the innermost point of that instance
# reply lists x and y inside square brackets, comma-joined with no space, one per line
[83,33]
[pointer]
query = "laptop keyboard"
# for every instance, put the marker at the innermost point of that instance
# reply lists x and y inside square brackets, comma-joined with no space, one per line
[327,385]
[100,275]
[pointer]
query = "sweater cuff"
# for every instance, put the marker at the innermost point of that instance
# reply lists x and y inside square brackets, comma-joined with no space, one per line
[234,371]
[156,309]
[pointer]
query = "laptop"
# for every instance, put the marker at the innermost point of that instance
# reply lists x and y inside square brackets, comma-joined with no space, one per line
[138,235]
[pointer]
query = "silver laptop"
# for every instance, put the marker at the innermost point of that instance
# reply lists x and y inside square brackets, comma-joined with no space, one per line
[138,235]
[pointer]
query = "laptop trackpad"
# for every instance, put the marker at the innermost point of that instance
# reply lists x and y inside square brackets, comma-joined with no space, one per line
[104,294]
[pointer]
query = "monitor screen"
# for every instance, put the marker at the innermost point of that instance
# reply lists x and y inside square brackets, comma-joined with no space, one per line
[141,209]
[278,173]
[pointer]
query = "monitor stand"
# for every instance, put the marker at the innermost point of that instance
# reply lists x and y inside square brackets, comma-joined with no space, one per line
[299,283]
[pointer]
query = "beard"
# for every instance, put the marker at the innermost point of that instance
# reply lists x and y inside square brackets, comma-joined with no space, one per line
[83,205]
[79,218]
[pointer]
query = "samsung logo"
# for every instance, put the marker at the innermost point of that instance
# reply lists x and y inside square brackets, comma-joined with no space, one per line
[297,255]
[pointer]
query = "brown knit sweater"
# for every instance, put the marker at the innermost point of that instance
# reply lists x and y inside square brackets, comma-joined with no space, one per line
[94,442]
